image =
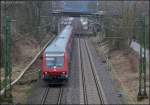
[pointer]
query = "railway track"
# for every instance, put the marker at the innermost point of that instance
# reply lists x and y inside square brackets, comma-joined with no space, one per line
[83,76]
[89,73]
[95,76]
[47,96]
[60,96]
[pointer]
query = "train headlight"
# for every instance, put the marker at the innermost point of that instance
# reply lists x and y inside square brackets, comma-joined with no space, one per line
[63,74]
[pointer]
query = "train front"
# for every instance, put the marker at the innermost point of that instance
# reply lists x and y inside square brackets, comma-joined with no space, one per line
[53,67]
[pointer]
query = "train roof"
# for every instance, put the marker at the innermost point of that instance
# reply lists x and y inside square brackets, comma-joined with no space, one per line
[59,44]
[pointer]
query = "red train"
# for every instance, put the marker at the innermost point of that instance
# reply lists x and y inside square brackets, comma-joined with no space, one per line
[56,57]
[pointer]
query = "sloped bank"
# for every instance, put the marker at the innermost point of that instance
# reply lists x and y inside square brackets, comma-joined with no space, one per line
[24,85]
[123,66]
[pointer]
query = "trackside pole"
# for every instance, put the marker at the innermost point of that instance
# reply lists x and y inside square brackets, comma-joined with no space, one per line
[7,98]
[145,93]
[142,94]
[39,73]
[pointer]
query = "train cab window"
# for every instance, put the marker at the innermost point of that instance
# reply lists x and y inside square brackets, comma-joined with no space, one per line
[50,61]
[60,61]
[55,61]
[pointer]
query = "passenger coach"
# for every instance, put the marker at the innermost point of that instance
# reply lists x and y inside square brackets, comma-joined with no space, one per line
[56,57]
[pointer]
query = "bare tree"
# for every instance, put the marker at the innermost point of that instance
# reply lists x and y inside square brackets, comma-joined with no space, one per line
[121,19]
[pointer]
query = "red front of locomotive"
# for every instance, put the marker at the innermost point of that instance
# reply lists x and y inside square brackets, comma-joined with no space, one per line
[55,67]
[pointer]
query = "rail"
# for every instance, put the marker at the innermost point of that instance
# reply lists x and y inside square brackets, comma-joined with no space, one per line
[83,76]
[98,85]
[97,82]
[60,96]
[45,96]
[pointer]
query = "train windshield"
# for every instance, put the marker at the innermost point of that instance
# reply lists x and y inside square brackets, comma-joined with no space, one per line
[55,61]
